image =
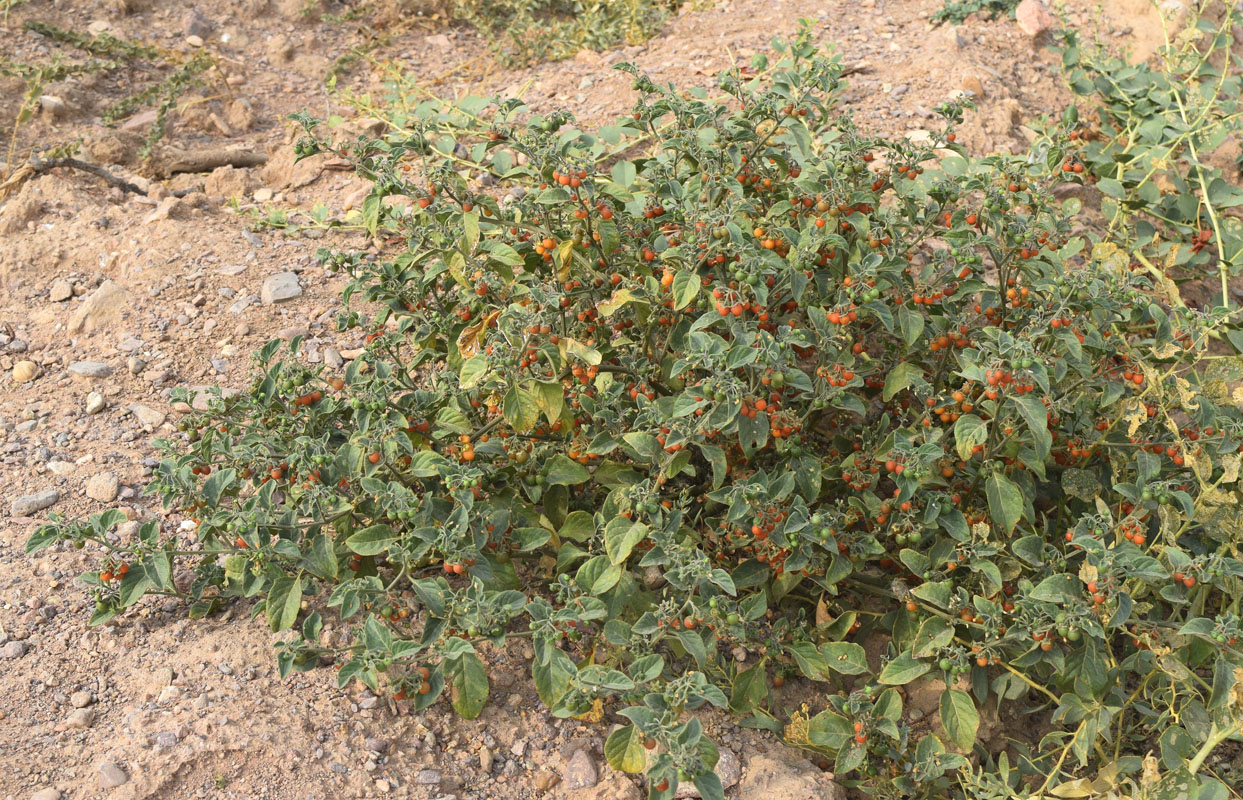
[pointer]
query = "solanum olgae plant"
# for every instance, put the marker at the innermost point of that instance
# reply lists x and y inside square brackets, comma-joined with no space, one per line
[733,374]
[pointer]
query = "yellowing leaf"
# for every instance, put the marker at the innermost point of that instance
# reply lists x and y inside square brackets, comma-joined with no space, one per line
[589,355]
[1230,467]
[620,298]
[593,714]
[1111,258]
[823,617]
[1135,415]
[563,253]
[468,340]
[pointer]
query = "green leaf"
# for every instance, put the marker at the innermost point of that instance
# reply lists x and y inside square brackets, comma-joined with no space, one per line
[598,575]
[371,541]
[472,371]
[811,662]
[1057,589]
[624,173]
[1005,501]
[969,432]
[520,408]
[709,786]
[685,289]
[624,750]
[469,686]
[903,669]
[1035,415]
[499,251]
[830,730]
[846,658]
[933,634]
[579,526]
[716,457]
[284,602]
[912,325]
[620,537]
[320,559]
[216,484]
[371,212]
[900,377]
[750,689]
[959,717]
[564,471]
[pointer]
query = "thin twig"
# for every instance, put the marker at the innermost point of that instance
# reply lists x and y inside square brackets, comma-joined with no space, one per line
[48,164]
[38,165]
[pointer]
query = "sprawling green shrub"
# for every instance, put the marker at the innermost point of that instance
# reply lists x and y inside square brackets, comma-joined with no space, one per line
[524,31]
[731,373]
[957,11]
[1151,139]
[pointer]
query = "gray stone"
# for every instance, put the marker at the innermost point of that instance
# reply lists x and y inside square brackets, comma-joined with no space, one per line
[81,699]
[147,416]
[111,775]
[135,365]
[427,777]
[13,649]
[28,504]
[580,772]
[195,24]
[95,403]
[103,487]
[279,288]
[166,738]
[90,369]
[243,303]
[376,745]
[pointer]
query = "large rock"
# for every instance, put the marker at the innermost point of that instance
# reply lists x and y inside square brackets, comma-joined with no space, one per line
[111,775]
[13,649]
[614,786]
[28,504]
[1033,17]
[90,369]
[61,291]
[279,288]
[148,417]
[100,308]
[580,772]
[103,487]
[769,776]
